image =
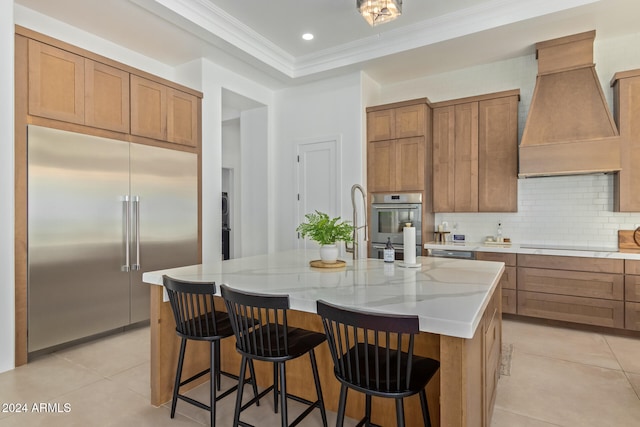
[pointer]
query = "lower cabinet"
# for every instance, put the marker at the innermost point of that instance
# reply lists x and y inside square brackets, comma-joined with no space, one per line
[508,283]
[572,289]
[632,294]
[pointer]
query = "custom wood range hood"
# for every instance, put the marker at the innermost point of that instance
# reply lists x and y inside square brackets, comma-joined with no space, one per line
[569,129]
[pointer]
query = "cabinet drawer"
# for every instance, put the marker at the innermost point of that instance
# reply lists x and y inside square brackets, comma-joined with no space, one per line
[590,311]
[576,283]
[631,266]
[632,288]
[632,316]
[508,259]
[509,302]
[597,265]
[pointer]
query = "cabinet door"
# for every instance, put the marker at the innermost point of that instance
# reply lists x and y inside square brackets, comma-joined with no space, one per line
[381,161]
[148,108]
[182,119]
[106,97]
[443,159]
[466,157]
[381,125]
[410,121]
[410,164]
[56,83]
[498,155]
[627,198]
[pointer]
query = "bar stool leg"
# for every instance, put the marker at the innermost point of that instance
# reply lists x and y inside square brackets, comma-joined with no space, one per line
[425,408]
[316,379]
[367,408]
[176,385]
[213,374]
[275,387]
[341,405]
[399,413]
[283,395]
[243,371]
[254,384]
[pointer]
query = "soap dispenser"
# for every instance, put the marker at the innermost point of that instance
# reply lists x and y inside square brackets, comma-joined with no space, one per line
[389,252]
[499,237]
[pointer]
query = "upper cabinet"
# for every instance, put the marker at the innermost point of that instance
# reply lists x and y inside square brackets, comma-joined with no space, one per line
[161,112]
[68,87]
[106,97]
[475,159]
[397,147]
[627,115]
[68,84]
[56,83]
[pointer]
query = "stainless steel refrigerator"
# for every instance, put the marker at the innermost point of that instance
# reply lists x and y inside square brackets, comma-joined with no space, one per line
[100,213]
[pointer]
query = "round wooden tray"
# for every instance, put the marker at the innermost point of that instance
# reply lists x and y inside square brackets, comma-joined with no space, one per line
[319,264]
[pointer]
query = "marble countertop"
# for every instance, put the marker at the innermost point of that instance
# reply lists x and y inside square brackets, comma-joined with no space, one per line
[448,295]
[592,252]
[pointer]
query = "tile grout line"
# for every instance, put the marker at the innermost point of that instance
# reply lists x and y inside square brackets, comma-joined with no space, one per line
[626,374]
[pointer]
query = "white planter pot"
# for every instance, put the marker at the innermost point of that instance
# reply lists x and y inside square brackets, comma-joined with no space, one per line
[329,253]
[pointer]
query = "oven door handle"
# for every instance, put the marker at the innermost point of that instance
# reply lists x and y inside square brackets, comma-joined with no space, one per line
[393,207]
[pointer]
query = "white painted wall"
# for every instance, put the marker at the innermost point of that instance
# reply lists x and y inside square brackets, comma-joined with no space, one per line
[232,184]
[7,259]
[254,179]
[326,108]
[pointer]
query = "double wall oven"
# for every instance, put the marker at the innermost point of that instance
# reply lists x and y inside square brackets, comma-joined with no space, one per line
[389,215]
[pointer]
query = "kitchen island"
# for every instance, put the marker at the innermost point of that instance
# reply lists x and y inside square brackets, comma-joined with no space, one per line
[457,301]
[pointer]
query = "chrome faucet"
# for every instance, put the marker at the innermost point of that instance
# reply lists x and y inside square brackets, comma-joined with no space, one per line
[354,248]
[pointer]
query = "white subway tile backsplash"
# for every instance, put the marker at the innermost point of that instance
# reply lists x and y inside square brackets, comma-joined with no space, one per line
[564,210]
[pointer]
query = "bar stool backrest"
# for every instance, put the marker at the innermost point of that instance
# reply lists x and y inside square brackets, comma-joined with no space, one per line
[259,322]
[371,351]
[192,304]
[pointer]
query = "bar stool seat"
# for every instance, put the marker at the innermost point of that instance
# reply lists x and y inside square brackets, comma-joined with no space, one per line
[262,332]
[192,304]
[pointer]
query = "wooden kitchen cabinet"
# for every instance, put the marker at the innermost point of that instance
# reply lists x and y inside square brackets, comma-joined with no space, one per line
[626,89]
[397,147]
[509,279]
[148,108]
[498,155]
[574,289]
[164,113]
[106,97]
[68,87]
[56,83]
[475,143]
[632,294]
[182,118]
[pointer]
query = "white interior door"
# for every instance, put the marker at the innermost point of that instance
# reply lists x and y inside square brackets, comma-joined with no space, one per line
[318,180]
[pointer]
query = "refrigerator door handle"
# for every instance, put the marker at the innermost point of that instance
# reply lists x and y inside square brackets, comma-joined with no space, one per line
[126,215]
[136,213]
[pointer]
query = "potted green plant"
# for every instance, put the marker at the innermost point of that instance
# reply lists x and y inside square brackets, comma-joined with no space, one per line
[326,231]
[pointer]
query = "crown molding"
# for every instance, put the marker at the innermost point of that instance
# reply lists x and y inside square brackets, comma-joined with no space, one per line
[485,16]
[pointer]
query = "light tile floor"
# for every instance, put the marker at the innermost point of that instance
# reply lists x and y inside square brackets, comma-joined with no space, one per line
[559,377]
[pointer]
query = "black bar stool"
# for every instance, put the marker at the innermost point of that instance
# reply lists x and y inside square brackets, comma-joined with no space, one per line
[197,319]
[259,322]
[373,354]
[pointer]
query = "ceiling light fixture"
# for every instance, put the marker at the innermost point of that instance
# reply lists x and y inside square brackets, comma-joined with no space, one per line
[379,11]
[307,36]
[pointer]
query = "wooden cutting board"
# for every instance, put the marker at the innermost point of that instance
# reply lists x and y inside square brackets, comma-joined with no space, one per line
[626,242]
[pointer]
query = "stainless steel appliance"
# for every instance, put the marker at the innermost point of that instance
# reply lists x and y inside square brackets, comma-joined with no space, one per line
[389,214]
[100,213]
[446,253]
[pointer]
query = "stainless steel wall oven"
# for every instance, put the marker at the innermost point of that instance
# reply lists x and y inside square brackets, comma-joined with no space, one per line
[389,214]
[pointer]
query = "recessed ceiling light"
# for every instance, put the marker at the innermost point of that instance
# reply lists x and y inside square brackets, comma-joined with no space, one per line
[307,36]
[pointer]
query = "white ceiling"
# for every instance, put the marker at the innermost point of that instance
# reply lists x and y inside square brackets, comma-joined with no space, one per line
[261,39]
